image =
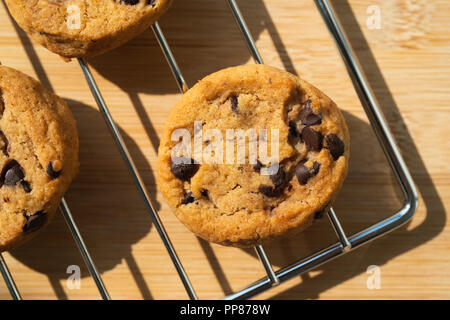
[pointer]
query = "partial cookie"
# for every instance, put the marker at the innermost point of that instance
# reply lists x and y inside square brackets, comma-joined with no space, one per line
[77,28]
[38,156]
[237,203]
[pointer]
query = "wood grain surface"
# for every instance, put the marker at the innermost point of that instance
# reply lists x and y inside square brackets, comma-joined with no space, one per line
[407,62]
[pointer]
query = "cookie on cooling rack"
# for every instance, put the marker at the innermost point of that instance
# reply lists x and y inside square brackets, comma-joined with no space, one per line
[38,156]
[249,201]
[75,28]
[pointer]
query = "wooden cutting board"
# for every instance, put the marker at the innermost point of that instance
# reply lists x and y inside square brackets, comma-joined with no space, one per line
[407,61]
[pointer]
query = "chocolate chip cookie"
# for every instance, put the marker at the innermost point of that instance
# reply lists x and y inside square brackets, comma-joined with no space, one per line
[79,28]
[38,156]
[251,153]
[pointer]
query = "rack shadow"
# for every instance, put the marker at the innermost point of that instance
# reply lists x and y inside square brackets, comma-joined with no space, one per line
[105,205]
[218,45]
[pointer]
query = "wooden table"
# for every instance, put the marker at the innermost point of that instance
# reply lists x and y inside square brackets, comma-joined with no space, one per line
[407,62]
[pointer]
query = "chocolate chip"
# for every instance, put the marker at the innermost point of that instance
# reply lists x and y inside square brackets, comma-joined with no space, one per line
[313,139]
[184,169]
[257,167]
[335,145]
[205,193]
[293,129]
[279,180]
[304,173]
[308,117]
[26,186]
[35,222]
[135,2]
[270,191]
[131,2]
[4,144]
[293,132]
[12,174]
[188,198]
[2,104]
[315,168]
[234,103]
[52,172]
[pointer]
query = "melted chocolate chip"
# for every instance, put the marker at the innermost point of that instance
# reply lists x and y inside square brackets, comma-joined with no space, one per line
[35,222]
[234,103]
[205,193]
[308,117]
[257,167]
[304,173]
[52,172]
[131,2]
[335,145]
[188,198]
[184,169]
[294,135]
[279,180]
[2,104]
[270,191]
[26,186]
[316,167]
[12,174]
[4,144]
[313,139]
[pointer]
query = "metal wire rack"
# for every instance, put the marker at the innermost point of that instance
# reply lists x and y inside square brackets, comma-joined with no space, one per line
[344,244]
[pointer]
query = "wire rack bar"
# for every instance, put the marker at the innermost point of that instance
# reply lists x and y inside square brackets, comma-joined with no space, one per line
[136,177]
[237,14]
[346,245]
[10,284]
[83,250]
[183,88]
[182,85]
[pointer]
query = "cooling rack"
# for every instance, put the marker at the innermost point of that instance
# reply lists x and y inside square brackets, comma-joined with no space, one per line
[273,278]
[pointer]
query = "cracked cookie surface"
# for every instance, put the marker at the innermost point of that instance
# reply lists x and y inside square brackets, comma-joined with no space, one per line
[235,203]
[80,28]
[38,156]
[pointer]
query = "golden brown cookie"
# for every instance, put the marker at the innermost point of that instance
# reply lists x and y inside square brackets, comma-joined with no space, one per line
[38,156]
[243,198]
[80,28]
